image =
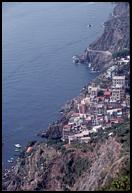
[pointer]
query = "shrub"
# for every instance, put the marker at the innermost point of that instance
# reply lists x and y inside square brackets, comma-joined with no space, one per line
[81,164]
[121,53]
[100,93]
[121,183]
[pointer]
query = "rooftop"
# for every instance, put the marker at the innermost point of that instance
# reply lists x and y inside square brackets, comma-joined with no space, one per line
[94,88]
[107,93]
[118,77]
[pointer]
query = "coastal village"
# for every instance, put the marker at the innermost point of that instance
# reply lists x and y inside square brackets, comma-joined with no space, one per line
[88,147]
[105,104]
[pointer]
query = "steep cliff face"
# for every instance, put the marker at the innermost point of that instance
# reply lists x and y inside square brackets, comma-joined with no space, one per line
[111,168]
[115,36]
[83,167]
[77,167]
[106,166]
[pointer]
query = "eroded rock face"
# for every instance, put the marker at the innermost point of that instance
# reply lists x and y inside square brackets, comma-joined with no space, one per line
[121,9]
[50,170]
[99,59]
[116,35]
[30,173]
[107,166]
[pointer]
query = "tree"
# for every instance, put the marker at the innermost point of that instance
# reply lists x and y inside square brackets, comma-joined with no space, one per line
[100,93]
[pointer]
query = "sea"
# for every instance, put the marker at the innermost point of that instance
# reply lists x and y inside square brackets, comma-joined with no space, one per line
[38,76]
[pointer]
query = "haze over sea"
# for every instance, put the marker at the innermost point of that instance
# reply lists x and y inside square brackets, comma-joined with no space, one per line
[38,77]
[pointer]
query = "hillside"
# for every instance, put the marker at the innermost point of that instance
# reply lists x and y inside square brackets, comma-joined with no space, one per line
[116,37]
[56,166]
[103,163]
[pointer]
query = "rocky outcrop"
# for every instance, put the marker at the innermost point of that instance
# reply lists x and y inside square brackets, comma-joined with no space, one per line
[30,173]
[116,32]
[54,131]
[116,36]
[104,168]
[78,167]
[98,59]
[82,167]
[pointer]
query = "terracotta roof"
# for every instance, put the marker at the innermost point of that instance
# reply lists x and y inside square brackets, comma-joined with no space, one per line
[107,93]
[29,149]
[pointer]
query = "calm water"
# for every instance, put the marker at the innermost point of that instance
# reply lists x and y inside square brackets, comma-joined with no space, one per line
[39,40]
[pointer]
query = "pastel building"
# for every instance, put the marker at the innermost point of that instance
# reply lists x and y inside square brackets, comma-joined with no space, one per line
[118,80]
[93,90]
[82,108]
[117,93]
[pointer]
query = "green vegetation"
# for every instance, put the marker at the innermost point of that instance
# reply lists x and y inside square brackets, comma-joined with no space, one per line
[123,134]
[121,183]
[81,164]
[84,147]
[100,93]
[121,53]
[57,144]
[74,169]
[68,151]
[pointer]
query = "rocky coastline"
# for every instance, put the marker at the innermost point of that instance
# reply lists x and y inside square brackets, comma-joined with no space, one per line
[54,166]
[54,131]
[114,38]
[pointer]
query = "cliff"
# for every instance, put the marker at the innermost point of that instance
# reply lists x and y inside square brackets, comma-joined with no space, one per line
[103,163]
[116,37]
[56,166]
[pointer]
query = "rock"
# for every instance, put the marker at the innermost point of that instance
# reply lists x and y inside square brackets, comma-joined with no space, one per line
[115,37]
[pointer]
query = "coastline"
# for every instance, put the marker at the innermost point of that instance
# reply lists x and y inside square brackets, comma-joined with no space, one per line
[33,112]
[54,131]
[67,107]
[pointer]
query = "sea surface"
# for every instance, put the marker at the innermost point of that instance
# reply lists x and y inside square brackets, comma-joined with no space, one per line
[38,76]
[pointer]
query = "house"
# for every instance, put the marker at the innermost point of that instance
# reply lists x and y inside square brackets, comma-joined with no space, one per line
[117,93]
[118,80]
[86,100]
[100,109]
[110,71]
[66,132]
[84,133]
[93,90]
[107,94]
[125,61]
[111,111]
[82,108]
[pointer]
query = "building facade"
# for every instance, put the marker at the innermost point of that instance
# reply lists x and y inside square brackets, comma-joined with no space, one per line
[118,80]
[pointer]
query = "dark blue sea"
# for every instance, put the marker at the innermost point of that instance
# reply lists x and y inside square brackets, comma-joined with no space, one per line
[38,76]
